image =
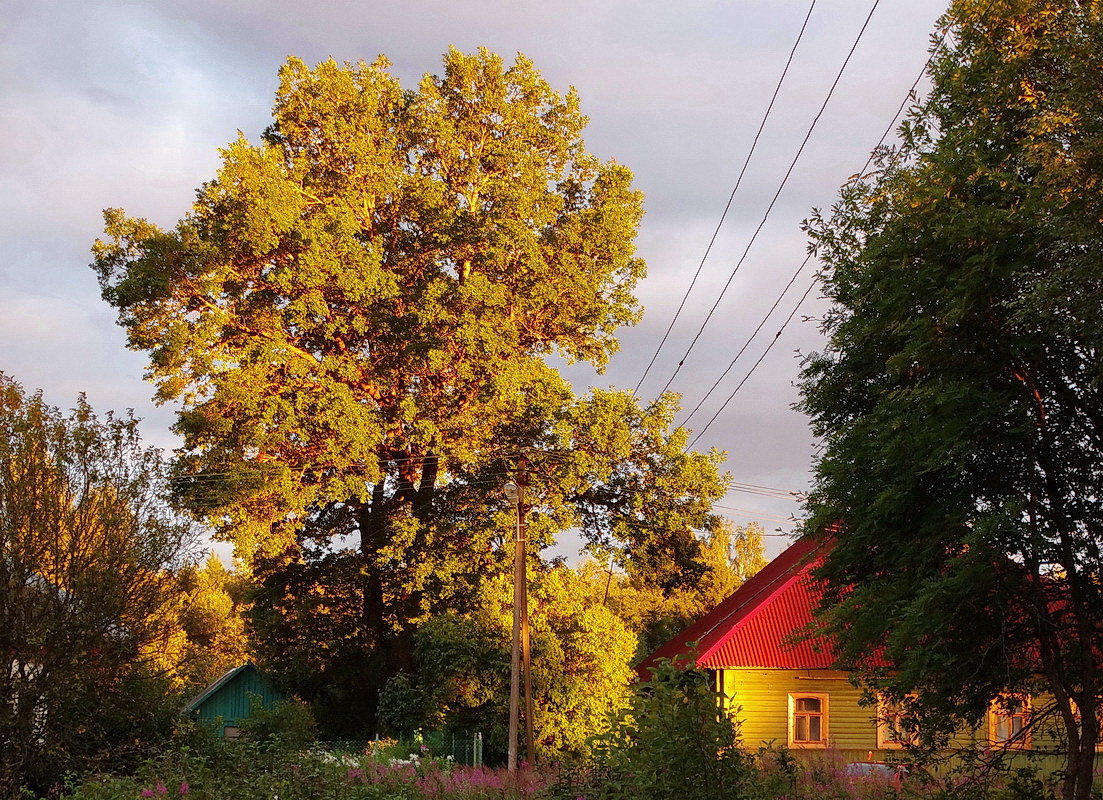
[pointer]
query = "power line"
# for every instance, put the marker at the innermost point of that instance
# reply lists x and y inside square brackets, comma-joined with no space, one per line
[760,486]
[759,515]
[778,494]
[892,123]
[910,95]
[754,366]
[773,201]
[747,343]
[731,198]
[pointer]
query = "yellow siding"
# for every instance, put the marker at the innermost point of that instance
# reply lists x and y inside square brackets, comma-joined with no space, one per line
[759,701]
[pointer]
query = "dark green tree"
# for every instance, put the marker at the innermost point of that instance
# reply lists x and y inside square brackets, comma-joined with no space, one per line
[87,542]
[357,318]
[959,399]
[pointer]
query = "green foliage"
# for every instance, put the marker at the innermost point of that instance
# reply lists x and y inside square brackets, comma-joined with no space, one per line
[87,545]
[728,556]
[326,306]
[402,707]
[203,767]
[225,770]
[580,655]
[959,396]
[672,743]
[286,724]
[357,318]
[212,620]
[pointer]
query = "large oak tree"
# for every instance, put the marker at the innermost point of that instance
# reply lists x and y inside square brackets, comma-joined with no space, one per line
[358,317]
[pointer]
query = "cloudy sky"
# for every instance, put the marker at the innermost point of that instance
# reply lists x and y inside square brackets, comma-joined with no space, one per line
[125,104]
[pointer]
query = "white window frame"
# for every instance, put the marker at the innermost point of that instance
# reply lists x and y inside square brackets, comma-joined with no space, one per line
[824,714]
[997,712]
[886,710]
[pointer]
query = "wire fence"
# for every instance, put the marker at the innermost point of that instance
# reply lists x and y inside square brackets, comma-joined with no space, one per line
[462,747]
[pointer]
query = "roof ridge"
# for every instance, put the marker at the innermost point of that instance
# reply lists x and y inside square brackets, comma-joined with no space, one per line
[215,685]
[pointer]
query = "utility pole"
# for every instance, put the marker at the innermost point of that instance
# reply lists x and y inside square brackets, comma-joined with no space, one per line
[521,656]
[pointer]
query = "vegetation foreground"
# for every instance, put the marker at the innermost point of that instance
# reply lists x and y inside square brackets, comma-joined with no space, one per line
[240,770]
[669,744]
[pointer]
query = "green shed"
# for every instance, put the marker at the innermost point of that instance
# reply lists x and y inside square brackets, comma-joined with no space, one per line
[229,699]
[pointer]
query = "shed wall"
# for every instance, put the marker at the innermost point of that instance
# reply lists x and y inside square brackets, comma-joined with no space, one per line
[232,701]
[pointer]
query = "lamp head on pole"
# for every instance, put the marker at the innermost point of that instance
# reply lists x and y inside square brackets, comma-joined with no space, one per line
[513,492]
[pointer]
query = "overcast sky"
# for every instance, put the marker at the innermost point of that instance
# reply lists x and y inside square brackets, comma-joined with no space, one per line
[125,104]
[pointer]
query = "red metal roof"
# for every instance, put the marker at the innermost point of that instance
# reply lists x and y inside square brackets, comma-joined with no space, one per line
[754,626]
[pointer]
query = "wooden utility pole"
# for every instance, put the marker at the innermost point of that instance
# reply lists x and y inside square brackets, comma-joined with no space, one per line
[521,656]
[526,652]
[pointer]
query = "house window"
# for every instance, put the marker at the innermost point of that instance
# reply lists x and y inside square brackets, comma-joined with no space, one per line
[891,734]
[1009,721]
[808,719]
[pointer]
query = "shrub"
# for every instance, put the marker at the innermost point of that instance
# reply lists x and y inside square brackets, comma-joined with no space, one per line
[288,723]
[672,741]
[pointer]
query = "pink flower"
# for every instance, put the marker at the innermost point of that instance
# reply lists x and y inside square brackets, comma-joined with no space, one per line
[161,788]
[147,793]
[184,788]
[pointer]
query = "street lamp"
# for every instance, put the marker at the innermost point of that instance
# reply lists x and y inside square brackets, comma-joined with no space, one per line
[521,656]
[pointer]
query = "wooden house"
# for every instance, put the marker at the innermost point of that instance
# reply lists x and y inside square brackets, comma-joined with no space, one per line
[784,690]
[230,699]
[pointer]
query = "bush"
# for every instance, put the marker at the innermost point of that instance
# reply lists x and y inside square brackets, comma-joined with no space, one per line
[287,724]
[672,741]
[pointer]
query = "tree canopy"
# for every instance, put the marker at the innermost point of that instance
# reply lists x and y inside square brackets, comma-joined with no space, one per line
[358,318]
[211,622]
[378,281]
[959,397]
[87,542]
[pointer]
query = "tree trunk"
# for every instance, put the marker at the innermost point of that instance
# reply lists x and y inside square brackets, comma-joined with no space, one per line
[390,652]
[372,521]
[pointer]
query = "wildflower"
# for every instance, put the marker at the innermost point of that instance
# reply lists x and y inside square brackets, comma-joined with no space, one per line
[147,793]
[184,788]
[161,788]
